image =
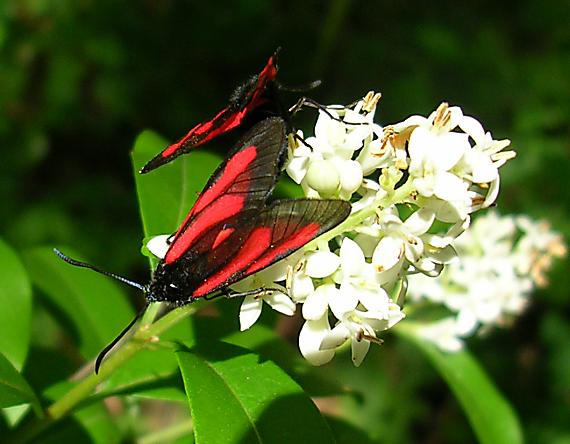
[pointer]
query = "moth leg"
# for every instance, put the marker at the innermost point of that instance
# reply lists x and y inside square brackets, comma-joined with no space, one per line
[258,292]
[310,103]
[213,296]
[297,138]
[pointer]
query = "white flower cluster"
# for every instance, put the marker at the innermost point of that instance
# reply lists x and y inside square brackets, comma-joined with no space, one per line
[401,179]
[442,167]
[501,259]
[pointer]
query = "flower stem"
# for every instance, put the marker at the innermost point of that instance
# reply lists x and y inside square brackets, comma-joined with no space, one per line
[397,196]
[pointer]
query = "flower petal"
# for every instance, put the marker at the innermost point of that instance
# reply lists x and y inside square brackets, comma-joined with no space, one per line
[351,257]
[449,187]
[316,304]
[350,178]
[472,127]
[420,221]
[336,337]
[375,300]
[280,302]
[359,350]
[310,338]
[301,286]
[249,311]
[388,253]
[343,300]
[321,264]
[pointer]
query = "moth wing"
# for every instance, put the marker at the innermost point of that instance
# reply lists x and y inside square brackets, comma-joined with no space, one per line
[244,100]
[241,183]
[277,232]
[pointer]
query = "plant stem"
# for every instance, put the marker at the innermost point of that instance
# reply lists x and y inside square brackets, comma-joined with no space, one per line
[398,196]
[63,406]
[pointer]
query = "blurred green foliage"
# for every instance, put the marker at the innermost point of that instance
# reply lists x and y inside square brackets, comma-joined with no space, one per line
[80,79]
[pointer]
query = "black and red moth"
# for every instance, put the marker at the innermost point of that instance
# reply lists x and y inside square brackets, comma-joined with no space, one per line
[246,98]
[231,231]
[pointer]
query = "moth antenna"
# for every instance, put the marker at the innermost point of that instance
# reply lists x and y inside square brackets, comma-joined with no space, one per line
[98,270]
[109,347]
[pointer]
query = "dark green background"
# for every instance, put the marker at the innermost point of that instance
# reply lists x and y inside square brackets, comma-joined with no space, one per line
[80,79]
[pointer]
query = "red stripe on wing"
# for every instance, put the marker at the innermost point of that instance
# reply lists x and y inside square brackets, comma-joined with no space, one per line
[198,130]
[234,167]
[222,236]
[296,241]
[223,208]
[280,230]
[257,243]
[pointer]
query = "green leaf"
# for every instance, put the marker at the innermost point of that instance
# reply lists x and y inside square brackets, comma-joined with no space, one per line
[490,414]
[149,374]
[269,344]
[236,397]
[15,293]
[94,304]
[167,193]
[14,390]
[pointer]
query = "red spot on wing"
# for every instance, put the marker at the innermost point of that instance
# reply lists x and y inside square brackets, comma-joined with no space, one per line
[293,242]
[223,208]
[198,130]
[222,236]
[269,72]
[257,243]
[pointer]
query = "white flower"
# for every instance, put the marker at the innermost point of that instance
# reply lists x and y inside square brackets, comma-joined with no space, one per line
[455,176]
[323,164]
[274,295]
[316,264]
[493,278]
[360,327]
[370,192]
[252,304]
[310,338]
[359,281]
[323,177]
[432,156]
[408,241]
[536,249]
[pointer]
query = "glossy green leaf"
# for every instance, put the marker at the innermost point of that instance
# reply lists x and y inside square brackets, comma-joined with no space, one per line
[235,396]
[14,390]
[16,300]
[149,374]
[490,414]
[15,414]
[95,305]
[167,193]
[269,344]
